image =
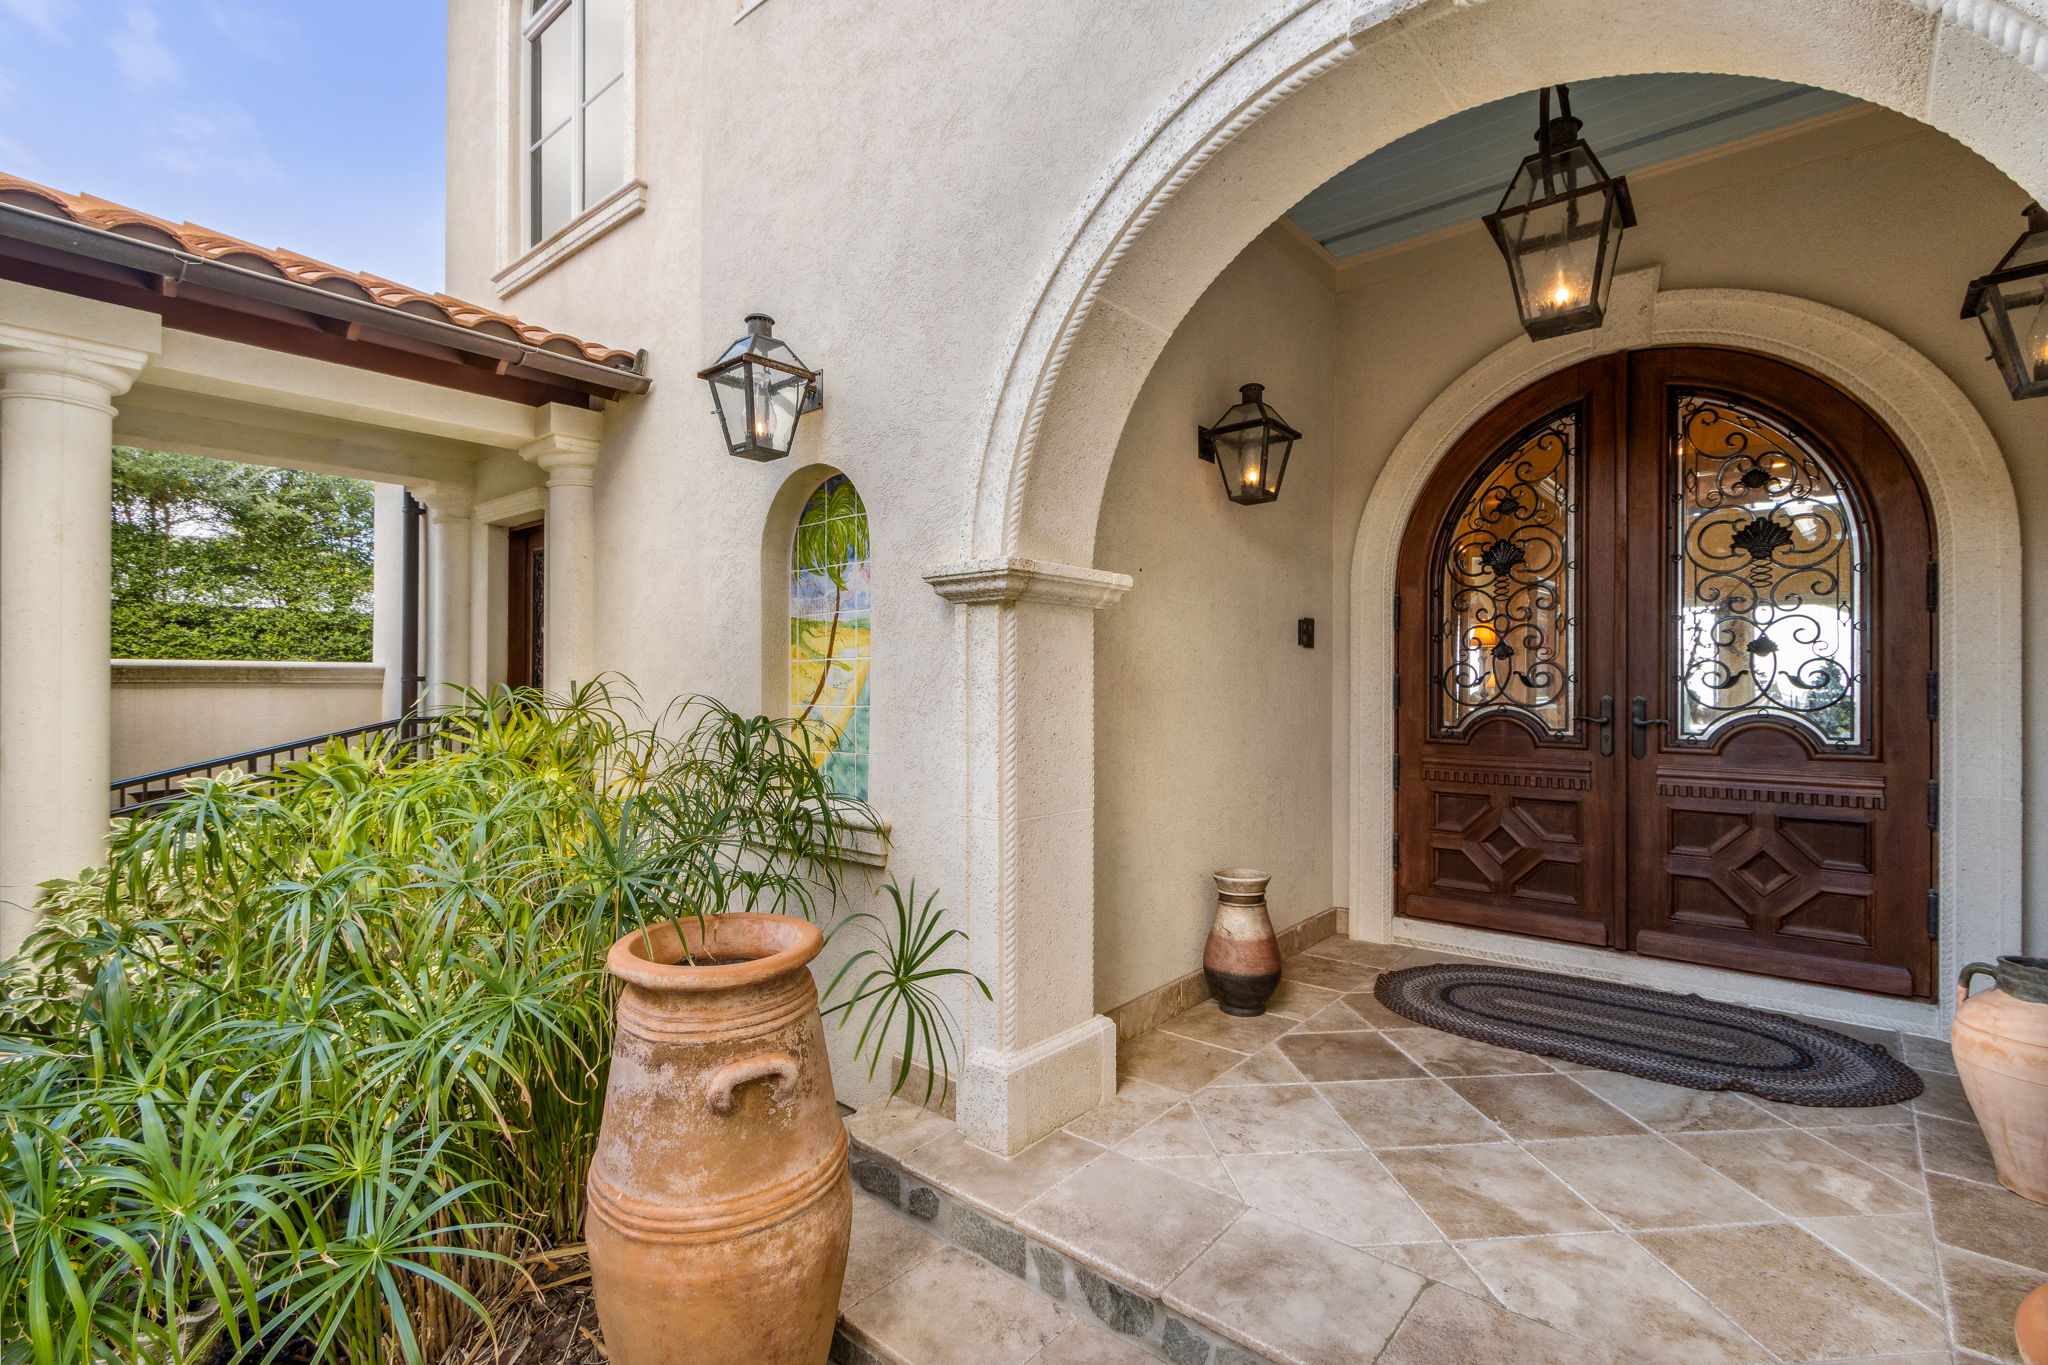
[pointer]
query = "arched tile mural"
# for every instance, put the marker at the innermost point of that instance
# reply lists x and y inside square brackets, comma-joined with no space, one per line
[829,635]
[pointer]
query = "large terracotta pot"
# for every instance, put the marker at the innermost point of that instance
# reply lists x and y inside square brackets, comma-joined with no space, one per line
[2030,1327]
[2000,1039]
[1242,959]
[720,1205]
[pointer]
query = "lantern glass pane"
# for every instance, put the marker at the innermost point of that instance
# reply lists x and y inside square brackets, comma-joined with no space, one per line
[1559,242]
[778,399]
[1277,451]
[729,392]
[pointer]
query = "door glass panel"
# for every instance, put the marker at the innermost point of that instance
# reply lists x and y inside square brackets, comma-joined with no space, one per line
[1506,639]
[1771,620]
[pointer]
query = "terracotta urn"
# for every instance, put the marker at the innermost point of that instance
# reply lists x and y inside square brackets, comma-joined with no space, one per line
[1242,960]
[2030,1327]
[719,1200]
[2000,1038]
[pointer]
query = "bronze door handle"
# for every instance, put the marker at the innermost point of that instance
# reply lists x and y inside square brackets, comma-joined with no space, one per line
[1605,720]
[1638,719]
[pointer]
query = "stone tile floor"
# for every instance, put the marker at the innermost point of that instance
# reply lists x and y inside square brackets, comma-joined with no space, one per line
[1332,1183]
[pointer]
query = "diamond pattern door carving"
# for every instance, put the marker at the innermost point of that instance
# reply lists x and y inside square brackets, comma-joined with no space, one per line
[1663,672]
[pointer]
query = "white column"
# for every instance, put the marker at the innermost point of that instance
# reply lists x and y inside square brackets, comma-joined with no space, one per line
[56,443]
[568,450]
[1038,1054]
[387,591]
[449,532]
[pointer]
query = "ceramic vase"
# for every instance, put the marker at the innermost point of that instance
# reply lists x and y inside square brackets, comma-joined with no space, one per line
[2030,1327]
[2000,1038]
[719,1201]
[1242,960]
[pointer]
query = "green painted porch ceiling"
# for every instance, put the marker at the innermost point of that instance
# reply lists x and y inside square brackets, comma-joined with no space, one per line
[1455,169]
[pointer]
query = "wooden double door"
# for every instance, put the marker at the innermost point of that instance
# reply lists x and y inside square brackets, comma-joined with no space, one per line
[1665,636]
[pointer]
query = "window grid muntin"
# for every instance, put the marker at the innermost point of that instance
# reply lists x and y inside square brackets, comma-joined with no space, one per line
[574,124]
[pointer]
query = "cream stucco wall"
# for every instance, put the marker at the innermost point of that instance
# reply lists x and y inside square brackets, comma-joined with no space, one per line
[169,712]
[1212,725]
[1842,213]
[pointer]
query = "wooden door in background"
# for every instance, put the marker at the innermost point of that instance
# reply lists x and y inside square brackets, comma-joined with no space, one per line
[526,606]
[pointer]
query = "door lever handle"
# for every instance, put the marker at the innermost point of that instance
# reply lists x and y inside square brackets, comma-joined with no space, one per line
[1639,721]
[1605,720]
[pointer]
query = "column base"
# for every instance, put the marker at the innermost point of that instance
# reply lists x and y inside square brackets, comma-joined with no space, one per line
[1009,1100]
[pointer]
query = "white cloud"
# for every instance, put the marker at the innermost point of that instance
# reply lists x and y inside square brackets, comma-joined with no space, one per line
[46,15]
[261,32]
[204,144]
[139,49]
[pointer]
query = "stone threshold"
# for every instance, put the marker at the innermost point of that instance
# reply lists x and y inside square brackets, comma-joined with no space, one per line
[1126,1310]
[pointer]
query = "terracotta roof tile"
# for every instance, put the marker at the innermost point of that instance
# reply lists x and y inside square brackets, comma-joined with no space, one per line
[100,213]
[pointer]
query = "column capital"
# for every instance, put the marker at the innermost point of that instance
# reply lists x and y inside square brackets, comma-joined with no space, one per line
[568,459]
[445,501]
[65,369]
[1011,579]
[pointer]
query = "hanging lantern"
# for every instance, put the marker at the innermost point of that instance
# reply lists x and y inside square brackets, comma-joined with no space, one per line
[760,388]
[2012,304]
[1249,444]
[1559,225]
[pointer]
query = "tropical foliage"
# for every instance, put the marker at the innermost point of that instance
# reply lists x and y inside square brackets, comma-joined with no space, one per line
[214,560]
[318,1055]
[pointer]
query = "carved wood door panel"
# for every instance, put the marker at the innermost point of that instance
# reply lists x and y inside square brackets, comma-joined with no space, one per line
[1663,655]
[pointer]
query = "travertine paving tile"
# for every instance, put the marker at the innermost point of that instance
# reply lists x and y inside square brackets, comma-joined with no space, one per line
[1983,1295]
[1437,1261]
[885,1244]
[1267,1066]
[896,1126]
[1929,1054]
[1376,955]
[1328,973]
[1446,1327]
[1409,1113]
[1989,1220]
[1893,1149]
[1944,1098]
[1207,1023]
[1335,1017]
[1674,1108]
[1298,999]
[1952,1148]
[1532,1108]
[1822,1116]
[1799,1175]
[1271,1118]
[1795,1294]
[1086,1344]
[1270,1285]
[1898,1248]
[1128,1220]
[1206,1171]
[1488,1190]
[1367,1007]
[1604,1287]
[1364,1055]
[1646,1182]
[1447,1054]
[992,1183]
[1172,1061]
[1177,1132]
[1137,1103]
[989,1318]
[1347,1196]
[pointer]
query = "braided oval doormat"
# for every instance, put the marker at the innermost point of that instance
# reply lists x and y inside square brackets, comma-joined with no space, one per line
[1678,1039]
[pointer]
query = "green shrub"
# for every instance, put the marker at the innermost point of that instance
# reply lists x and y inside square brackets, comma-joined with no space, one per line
[317,1053]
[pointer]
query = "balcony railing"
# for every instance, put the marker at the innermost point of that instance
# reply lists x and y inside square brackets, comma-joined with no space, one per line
[137,795]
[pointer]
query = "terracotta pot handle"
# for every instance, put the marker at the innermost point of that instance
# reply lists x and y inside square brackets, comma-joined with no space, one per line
[720,1084]
[1974,969]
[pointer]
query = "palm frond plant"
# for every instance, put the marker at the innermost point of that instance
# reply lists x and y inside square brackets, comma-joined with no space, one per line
[318,1054]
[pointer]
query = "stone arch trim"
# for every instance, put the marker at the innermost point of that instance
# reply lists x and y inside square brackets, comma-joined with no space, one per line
[1311,85]
[1977,538]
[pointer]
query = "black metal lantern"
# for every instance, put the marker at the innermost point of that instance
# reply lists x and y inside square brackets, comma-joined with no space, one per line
[2012,304]
[760,388]
[1559,225]
[1249,444]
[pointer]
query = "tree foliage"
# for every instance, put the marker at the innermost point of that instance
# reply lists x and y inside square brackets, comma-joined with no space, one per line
[214,560]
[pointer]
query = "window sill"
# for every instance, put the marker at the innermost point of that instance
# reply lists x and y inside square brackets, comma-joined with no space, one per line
[867,840]
[579,232]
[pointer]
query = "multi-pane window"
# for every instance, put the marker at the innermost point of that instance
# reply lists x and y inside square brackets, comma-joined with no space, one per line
[576,102]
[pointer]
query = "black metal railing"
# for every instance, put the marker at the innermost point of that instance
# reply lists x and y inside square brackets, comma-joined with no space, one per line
[136,795]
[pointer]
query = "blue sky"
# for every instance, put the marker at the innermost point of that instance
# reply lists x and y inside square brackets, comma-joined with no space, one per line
[314,125]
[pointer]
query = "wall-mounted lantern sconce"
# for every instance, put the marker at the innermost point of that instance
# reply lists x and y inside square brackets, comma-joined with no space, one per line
[760,388]
[2012,304]
[1249,444]
[1559,225]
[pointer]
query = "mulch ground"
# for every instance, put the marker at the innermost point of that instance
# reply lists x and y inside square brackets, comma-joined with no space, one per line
[550,1322]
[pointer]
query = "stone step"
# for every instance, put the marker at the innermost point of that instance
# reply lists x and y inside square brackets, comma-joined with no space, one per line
[939,1277]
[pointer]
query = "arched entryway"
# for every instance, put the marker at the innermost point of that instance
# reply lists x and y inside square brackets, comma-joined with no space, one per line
[1666,627]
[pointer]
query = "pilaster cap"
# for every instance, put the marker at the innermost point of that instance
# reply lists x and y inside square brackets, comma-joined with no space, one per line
[1011,579]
